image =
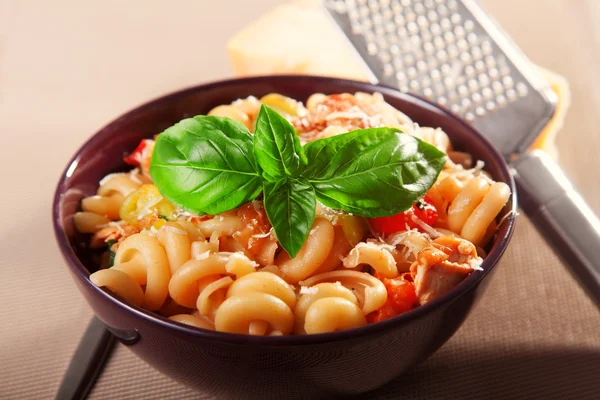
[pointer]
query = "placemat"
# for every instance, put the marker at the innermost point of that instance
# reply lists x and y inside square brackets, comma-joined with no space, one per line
[66,68]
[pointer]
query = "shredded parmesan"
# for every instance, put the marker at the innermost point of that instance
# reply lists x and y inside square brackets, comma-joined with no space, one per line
[172,229]
[263,235]
[257,205]
[118,226]
[346,115]
[430,230]
[147,208]
[475,263]
[133,176]
[203,256]
[375,245]
[308,290]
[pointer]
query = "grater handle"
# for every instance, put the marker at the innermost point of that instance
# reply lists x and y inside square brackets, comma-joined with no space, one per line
[561,215]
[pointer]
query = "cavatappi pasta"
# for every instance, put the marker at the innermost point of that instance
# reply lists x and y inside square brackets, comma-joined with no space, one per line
[228,272]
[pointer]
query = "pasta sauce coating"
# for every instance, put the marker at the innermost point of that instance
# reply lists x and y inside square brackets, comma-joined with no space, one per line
[229,273]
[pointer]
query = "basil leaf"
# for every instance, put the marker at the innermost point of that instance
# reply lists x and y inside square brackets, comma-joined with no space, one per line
[111,253]
[206,165]
[290,205]
[372,172]
[276,146]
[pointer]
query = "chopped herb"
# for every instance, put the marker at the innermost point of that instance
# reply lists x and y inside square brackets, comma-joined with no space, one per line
[111,253]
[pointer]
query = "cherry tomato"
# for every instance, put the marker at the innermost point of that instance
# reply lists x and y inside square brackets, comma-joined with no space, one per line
[402,297]
[422,209]
[136,156]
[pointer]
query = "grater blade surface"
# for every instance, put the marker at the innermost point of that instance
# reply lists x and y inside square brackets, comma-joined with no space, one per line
[453,54]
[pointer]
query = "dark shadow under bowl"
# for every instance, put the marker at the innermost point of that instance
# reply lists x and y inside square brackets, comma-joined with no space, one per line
[239,366]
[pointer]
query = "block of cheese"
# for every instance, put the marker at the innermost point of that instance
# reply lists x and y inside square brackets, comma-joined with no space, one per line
[299,38]
[293,38]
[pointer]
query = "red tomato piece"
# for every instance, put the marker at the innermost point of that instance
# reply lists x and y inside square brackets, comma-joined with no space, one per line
[402,297]
[135,157]
[422,209]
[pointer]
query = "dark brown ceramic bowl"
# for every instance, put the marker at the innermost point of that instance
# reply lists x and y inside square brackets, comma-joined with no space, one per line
[239,366]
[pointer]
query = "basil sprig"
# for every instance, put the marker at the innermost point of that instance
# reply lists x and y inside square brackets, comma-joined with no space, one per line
[209,165]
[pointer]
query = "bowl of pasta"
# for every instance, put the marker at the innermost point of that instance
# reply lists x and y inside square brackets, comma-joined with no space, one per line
[289,236]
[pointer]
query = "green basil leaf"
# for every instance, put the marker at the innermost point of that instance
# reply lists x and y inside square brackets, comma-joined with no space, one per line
[372,172]
[206,165]
[111,253]
[276,146]
[290,205]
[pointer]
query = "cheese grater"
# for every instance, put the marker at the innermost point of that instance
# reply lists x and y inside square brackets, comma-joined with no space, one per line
[453,54]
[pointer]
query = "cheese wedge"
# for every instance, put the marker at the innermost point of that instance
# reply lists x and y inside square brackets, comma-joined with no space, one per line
[299,38]
[293,39]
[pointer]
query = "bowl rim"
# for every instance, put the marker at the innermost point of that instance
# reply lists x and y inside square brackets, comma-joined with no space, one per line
[465,286]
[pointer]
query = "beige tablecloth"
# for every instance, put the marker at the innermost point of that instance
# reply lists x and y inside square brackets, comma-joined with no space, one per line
[66,68]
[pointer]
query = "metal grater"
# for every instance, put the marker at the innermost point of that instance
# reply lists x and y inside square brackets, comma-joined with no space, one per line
[452,53]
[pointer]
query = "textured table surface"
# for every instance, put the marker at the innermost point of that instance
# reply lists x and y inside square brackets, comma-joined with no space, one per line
[67,68]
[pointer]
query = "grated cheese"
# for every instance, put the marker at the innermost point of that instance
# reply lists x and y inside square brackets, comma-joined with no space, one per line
[428,229]
[133,176]
[263,235]
[475,263]
[172,229]
[257,205]
[203,256]
[375,245]
[308,290]
[346,115]
[118,226]
[147,208]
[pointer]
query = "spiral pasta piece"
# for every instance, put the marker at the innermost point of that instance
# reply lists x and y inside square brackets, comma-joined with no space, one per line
[474,229]
[237,313]
[156,265]
[201,249]
[264,282]
[192,230]
[312,254]
[370,291]
[240,265]
[314,293]
[183,286]
[374,255]
[212,296]
[176,242]
[120,284]
[466,201]
[333,314]
[121,183]
[89,222]
[233,113]
[193,320]
[135,267]
[339,248]
[104,205]
[224,224]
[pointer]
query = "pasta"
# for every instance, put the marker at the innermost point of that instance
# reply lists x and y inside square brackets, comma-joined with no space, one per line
[229,273]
